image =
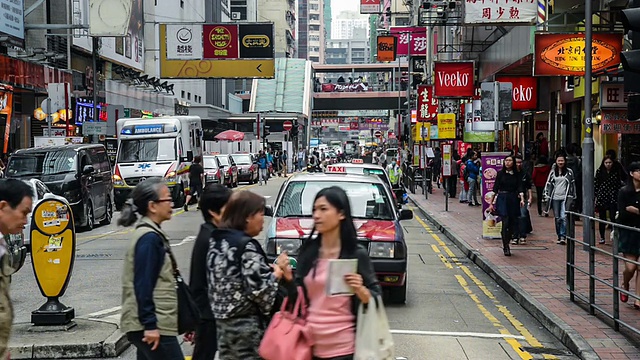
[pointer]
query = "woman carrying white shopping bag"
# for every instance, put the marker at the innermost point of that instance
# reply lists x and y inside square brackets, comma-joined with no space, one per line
[336,275]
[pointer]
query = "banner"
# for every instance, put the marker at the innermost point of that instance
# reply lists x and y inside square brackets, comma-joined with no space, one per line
[446,126]
[500,11]
[387,48]
[6,110]
[479,136]
[563,54]
[427,103]
[410,39]
[454,79]
[491,164]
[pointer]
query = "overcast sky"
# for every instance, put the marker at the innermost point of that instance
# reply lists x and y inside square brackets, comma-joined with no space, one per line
[341,5]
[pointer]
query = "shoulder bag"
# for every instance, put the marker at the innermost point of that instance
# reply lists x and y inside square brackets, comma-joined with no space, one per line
[188,313]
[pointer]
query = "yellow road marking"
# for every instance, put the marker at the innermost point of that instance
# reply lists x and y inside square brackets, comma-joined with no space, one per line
[519,326]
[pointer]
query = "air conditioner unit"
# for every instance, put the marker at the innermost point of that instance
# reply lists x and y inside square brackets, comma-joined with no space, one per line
[235,15]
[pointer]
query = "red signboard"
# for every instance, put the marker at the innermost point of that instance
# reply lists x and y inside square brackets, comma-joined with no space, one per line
[369,6]
[564,54]
[427,103]
[410,38]
[615,122]
[454,79]
[220,41]
[525,91]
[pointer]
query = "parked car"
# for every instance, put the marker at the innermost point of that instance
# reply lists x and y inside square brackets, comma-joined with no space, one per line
[213,171]
[247,169]
[81,173]
[39,191]
[229,168]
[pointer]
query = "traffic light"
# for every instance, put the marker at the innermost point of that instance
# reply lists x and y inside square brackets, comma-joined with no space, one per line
[631,59]
[266,131]
[294,129]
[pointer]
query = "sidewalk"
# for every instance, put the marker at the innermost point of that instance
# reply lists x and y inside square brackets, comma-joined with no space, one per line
[535,276]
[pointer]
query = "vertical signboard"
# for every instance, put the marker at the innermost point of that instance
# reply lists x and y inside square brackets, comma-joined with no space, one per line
[6,110]
[184,42]
[387,46]
[369,6]
[454,79]
[446,160]
[491,164]
[427,103]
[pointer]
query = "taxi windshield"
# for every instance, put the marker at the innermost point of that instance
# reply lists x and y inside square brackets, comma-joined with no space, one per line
[368,200]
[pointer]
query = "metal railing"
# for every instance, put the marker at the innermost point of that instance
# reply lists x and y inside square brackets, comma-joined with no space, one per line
[414,177]
[595,278]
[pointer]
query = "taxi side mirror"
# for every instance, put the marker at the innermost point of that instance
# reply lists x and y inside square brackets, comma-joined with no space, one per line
[268,210]
[406,215]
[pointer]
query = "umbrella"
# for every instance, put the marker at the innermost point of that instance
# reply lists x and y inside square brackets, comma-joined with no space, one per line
[230,135]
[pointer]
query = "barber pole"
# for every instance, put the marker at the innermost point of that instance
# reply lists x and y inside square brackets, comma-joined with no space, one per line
[542,14]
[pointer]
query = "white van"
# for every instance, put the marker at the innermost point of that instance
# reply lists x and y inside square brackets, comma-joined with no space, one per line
[156,147]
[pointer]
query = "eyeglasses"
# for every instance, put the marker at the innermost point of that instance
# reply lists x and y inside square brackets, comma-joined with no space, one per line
[164,200]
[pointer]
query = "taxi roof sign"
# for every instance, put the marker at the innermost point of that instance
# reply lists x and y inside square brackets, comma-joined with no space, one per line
[357,161]
[332,169]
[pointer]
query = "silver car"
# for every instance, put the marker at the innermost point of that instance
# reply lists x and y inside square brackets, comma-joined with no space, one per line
[39,191]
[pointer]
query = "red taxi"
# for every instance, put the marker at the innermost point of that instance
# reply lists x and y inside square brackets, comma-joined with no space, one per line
[376,219]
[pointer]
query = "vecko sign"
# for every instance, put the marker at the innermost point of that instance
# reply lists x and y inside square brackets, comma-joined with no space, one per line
[454,79]
[525,92]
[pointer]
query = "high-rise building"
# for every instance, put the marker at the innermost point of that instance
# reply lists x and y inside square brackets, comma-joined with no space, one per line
[345,23]
[328,19]
[243,10]
[311,29]
[283,15]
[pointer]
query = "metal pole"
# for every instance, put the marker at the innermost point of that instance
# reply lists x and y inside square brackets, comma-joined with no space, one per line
[399,117]
[49,119]
[587,144]
[94,59]
[496,114]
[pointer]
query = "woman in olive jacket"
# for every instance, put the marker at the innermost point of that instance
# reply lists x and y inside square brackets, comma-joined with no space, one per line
[332,319]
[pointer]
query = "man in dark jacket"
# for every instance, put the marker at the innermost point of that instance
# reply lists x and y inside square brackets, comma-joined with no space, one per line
[212,203]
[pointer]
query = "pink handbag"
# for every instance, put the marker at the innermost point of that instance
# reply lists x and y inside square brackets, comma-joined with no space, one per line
[288,335]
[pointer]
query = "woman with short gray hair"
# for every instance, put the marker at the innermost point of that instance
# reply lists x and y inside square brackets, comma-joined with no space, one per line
[149,297]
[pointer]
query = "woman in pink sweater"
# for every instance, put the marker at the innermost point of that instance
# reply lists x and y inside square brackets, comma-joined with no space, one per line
[333,318]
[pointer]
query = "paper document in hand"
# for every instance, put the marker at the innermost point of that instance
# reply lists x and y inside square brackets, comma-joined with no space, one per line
[338,268]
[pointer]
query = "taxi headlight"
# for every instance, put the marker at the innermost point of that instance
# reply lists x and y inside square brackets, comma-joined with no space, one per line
[291,246]
[382,250]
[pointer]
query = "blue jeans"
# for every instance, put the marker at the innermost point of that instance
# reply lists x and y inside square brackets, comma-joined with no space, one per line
[471,195]
[168,349]
[559,213]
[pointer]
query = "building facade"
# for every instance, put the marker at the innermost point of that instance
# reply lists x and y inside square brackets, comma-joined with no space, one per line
[283,15]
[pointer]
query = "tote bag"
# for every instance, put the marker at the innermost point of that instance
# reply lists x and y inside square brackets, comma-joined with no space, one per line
[288,335]
[373,336]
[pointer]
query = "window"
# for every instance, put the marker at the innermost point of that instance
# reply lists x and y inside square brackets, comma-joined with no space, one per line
[42,163]
[163,149]
[188,96]
[313,7]
[183,94]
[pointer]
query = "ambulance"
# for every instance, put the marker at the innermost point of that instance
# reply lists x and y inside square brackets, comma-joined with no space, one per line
[162,147]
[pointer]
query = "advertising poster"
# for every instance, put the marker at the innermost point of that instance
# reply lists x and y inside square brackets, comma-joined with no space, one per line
[446,126]
[387,48]
[220,41]
[256,41]
[491,164]
[6,109]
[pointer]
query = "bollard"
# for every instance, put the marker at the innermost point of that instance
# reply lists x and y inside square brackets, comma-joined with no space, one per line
[53,250]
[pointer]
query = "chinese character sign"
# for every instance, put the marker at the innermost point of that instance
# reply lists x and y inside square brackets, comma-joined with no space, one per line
[613,96]
[564,54]
[500,11]
[411,40]
[220,41]
[184,42]
[369,6]
[427,103]
[446,126]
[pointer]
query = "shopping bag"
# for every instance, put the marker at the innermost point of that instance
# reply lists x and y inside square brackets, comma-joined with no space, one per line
[288,335]
[373,336]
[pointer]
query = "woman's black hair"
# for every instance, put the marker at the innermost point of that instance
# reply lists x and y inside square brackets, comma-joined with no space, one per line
[504,167]
[556,168]
[338,198]
[145,192]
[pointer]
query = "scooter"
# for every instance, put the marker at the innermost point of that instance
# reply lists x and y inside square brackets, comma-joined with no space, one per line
[313,168]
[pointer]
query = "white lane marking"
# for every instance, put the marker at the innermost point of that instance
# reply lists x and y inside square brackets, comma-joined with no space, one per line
[92,236]
[104,312]
[457,334]
[188,239]
[267,196]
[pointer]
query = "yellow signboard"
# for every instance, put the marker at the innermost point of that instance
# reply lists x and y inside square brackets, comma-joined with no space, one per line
[53,246]
[201,69]
[446,126]
[421,131]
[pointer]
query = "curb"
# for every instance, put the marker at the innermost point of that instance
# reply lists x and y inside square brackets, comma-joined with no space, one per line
[560,329]
[113,346]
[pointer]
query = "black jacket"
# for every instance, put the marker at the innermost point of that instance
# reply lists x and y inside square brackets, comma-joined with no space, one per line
[198,283]
[307,261]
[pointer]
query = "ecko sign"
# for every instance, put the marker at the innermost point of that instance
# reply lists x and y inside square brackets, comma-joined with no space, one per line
[454,79]
[525,91]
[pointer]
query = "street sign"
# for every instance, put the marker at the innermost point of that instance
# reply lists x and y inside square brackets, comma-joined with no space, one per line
[287,125]
[378,134]
[94,128]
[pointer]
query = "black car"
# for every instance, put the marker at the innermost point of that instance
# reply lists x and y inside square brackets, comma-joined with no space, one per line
[80,173]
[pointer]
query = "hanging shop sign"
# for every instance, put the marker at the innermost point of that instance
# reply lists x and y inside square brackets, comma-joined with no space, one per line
[500,11]
[411,40]
[427,103]
[612,96]
[454,79]
[446,126]
[369,6]
[524,91]
[615,122]
[564,54]
[387,46]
